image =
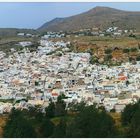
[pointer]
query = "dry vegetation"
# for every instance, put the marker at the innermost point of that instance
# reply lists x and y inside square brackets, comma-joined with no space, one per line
[3,119]
[6,40]
[99,45]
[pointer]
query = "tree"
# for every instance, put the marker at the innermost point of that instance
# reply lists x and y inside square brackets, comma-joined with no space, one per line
[39,116]
[56,109]
[131,59]
[33,111]
[139,45]
[138,58]
[60,129]
[132,35]
[76,107]
[128,113]
[108,57]
[133,49]
[46,128]
[93,60]
[50,110]
[18,127]
[126,50]
[135,126]
[127,83]
[36,83]
[130,120]
[91,123]
[61,97]
[60,106]
[108,51]
[90,51]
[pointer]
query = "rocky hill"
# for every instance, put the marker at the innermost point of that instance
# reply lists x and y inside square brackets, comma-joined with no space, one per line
[100,17]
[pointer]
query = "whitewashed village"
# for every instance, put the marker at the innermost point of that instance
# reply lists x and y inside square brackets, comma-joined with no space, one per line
[33,78]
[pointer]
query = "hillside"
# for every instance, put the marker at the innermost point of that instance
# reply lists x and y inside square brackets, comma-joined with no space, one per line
[10,32]
[101,17]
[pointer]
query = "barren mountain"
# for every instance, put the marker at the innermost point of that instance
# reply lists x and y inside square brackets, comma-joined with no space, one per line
[101,17]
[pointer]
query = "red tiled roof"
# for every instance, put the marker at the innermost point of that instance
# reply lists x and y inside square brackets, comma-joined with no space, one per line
[54,94]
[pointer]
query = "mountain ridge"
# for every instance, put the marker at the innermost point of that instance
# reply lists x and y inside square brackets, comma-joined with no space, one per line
[101,17]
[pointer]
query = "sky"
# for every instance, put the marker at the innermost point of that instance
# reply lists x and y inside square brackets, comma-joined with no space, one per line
[33,15]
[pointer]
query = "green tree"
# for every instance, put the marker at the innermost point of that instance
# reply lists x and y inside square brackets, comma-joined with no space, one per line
[50,110]
[46,128]
[56,109]
[128,113]
[126,50]
[92,123]
[18,127]
[90,51]
[33,111]
[134,131]
[60,106]
[36,83]
[132,35]
[138,58]
[130,120]
[108,57]
[76,107]
[60,129]
[108,51]
[133,49]
[131,59]
[93,60]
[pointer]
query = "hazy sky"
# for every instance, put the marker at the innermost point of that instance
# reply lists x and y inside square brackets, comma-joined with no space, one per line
[33,15]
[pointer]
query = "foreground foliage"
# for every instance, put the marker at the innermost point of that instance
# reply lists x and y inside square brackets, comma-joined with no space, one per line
[80,121]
